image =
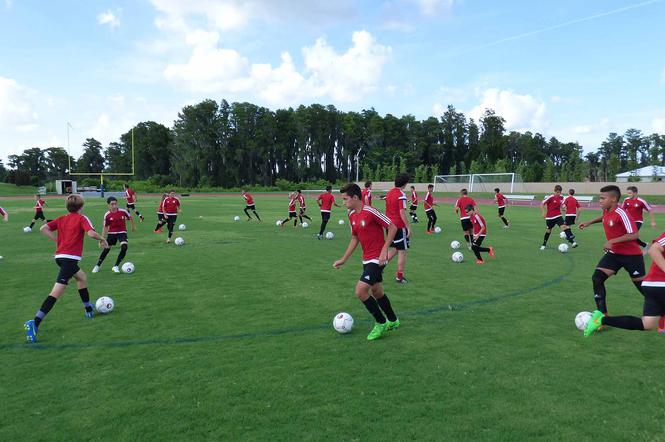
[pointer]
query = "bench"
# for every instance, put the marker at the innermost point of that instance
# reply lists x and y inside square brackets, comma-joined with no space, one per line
[513,198]
[88,189]
[584,199]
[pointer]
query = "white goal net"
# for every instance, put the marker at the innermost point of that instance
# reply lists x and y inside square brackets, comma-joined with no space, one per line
[479,182]
[451,183]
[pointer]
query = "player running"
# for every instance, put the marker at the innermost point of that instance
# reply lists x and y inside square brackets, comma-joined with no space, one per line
[572,208]
[621,248]
[161,219]
[249,205]
[367,194]
[115,231]
[396,211]
[479,234]
[292,210]
[460,208]
[635,205]
[429,204]
[71,229]
[367,226]
[414,205]
[171,207]
[131,198]
[325,201]
[551,211]
[302,208]
[501,205]
[39,211]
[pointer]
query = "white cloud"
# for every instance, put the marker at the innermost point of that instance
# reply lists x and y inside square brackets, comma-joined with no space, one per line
[521,112]
[582,129]
[658,125]
[17,107]
[434,7]
[108,18]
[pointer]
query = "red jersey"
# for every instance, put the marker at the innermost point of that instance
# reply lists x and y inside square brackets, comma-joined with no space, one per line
[292,204]
[71,232]
[301,200]
[249,199]
[115,221]
[129,196]
[326,201]
[170,205]
[160,209]
[39,205]
[395,203]
[368,225]
[656,276]
[571,204]
[462,203]
[500,200]
[635,207]
[414,198]
[617,223]
[553,205]
[479,225]
[429,201]
[366,195]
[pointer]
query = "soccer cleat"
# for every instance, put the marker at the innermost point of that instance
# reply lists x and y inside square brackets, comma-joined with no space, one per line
[542,247]
[506,227]
[141,218]
[96,269]
[115,269]
[492,252]
[480,261]
[429,232]
[574,244]
[168,240]
[390,325]
[377,331]
[90,314]
[594,323]
[318,236]
[158,231]
[401,281]
[30,330]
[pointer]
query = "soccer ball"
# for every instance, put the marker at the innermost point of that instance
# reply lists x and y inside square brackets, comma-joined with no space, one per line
[562,235]
[329,235]
[278,223]
[343,322]
[236,218]
[458,257]
[27,229]
[582,319]
[179,241]
[340,222]
[437,229]
[104,304]
[182,227]
[563,248]
[305,225]
[128,267]
[455,245]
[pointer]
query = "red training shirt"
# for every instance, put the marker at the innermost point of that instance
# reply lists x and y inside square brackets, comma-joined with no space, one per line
[617,223]
[326,201]
[71,230]
[301,200]
[160,209]
[366,195]
[129,196]
[635,207]
[500,200]
[292,204]
[170,205]
[414,198]
[249,199]
[571,204]
[553,205]
[395,203]
[368,225]
[656,276]
[115,221]
[429,201]
[462,203]
[39,205]
[479,225]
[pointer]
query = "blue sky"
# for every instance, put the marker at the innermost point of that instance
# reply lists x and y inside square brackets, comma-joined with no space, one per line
[570,69]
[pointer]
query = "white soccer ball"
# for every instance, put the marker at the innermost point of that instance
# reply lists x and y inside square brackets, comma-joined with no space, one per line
[179,241]
[128,268]
[458,257]
[343,322]
[563,248]
[305,225]
[182,227]
[27,229]
[455,245]
[278,223]
[104,304]
[582,319]
[437,229]
[236,218]
[562,235]
[330,235]
[340,222]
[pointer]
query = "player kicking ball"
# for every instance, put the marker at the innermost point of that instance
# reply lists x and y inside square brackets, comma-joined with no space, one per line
[551,211]
[479,234]
[131,198]
[115,231]
[429,204]
[465,220]
[171,207]
[71,230]
[367,226]
[39,211]
[292,211]
[249,205]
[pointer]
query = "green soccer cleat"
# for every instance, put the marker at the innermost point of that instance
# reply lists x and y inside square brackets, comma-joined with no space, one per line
[390,325]
[377,331]
[594,323]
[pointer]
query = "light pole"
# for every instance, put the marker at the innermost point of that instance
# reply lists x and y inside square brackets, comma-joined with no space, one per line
[358,163]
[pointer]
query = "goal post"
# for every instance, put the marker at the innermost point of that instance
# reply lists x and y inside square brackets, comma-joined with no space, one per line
[487,182]
[452,183]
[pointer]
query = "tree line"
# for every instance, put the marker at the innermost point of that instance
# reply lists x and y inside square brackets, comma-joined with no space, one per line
[235,144]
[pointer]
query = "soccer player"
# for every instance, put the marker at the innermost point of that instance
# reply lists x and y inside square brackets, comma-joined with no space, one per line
[479,233]
[115,231]
[302,208]
[249,205]
[171,207]
[501,205]
[396,211]
[39,210]
[131,198]
[367,226]
[635,205]
[325,201]
[4,216]
[572,208]
[292,210]
[551,211]
[621,248]
[460,208]
[414,205]
[428,203]
[367,193]
[71,230]
[161,220]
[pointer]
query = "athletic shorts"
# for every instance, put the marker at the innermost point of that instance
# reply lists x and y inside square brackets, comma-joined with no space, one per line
[372,273]
[302,210]
[502,210]
[466,224]
[131,207]
[68,268]
[430,213]
[479,242]
[413,208]
[115,238]
[39,215]
[160,217]
[401,242]
[654,301]
[570,220]
[292,215]
[558,221]
[250,207]
[171,218]
[634,264]
[325,216]
[639,224]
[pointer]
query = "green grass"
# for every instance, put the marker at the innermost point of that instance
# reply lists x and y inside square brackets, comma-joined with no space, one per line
[229,338]
[7,189]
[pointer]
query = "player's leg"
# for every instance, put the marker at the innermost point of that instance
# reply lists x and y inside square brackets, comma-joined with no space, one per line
[384,303]
[246,210]
[295,219]
[567,231]
[502,210]
[170,223]
[639,241]
[160,223]
[102,257]
[548,231]
[372,275]
[478,249]
[607,267]
[300,215]
[325,216]
[139,215]
[432,213]
[304,215]
[82,285]
[654,308]
[124,244]
[256,214]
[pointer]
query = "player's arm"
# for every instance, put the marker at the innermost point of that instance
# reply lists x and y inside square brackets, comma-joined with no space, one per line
[319,202]
[623,238]
[653,220]
[46,231]
[593,221]
[349,251]
[5,215]
[656,253]
[105,232]
[392,231]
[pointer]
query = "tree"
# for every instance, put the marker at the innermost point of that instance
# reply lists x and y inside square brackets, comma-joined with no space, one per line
[92,160]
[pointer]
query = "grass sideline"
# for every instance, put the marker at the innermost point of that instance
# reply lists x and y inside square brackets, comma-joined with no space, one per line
[229,337]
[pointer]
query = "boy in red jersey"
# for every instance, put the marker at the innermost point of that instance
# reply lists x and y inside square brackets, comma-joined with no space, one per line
[39,211]
[414,205]
[302,208]
[635,206]
[621,248]
[161,220]
[479,234]
[71,229]
[367,194]
[292,210]
[572,207]
[367,226]
[249,205]
[501,205]
[171,207]
[428,203]
[325,201]
[551,211]
[396,211]
[131,198]
[460,205]
[115,231]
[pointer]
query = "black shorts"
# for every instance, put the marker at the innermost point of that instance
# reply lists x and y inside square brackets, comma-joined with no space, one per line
[401,241]
[325,216]
[558,221]
[502,210]
[115,238]
[413,208]
[654,301]
[479,242]
[250,207]
[634,264]
[466,224]
[570,220]
[68,268]
[639,224]
[160,217]
[372,273]
[302,210]
[171,219]
[131,207]
[39,215]
[292,215]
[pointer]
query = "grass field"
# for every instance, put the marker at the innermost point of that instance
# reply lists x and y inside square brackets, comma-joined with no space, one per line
[229,338]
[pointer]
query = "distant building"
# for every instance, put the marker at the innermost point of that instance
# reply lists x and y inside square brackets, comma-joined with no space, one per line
[646,174]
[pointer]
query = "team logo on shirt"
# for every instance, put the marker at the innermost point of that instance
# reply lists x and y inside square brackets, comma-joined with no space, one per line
[362,223]
[611,223]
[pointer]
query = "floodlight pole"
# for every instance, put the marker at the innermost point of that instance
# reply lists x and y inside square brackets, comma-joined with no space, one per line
[358,163]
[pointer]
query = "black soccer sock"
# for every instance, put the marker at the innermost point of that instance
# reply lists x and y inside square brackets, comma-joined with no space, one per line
[46,307]
[569,235]
[300,218]
[467,238]
[247,213]
[625,322]
[505,221]
[384,303]
[372,306]
[158,226]
[85,298]
[323,227]
[641,243]
[170,228]
[476,251]
[102,256]
[121,255]
[547,237]
[295,221]
[599,294]
[638,286]
[305,216]
[138,214]
[32,224]
[256,214]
